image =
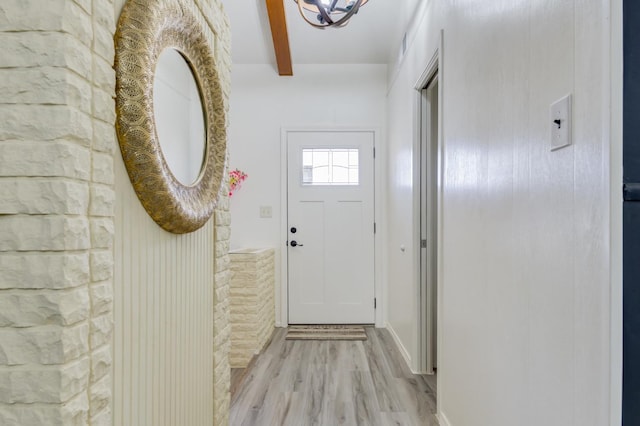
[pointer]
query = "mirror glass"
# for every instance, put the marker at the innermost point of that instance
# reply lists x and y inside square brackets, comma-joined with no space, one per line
[179,116]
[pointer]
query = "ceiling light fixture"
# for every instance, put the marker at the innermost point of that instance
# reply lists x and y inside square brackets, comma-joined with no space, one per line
[329,13]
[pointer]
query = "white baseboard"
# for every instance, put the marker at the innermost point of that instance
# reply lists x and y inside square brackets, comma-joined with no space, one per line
[442,419]
[403,350]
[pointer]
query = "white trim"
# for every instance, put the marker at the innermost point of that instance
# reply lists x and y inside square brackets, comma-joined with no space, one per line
[379,281]
[401,348]
[441,169]
[417,364]
[442,419]
[282,314]
[613,44]
[428,74]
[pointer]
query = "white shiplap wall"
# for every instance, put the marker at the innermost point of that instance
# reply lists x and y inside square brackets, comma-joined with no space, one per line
[163,337]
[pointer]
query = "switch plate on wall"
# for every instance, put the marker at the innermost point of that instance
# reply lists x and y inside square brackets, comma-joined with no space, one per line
[560,122]
[265,212]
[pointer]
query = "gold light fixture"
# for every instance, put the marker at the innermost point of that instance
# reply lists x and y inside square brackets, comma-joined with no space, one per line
[329,13]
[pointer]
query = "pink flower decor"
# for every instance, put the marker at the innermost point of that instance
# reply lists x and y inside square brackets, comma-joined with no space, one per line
[236,177]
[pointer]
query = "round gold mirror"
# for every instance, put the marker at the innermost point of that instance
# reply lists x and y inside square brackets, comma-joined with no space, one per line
[170,113]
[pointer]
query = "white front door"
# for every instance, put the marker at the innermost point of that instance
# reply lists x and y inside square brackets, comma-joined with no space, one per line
[330,227]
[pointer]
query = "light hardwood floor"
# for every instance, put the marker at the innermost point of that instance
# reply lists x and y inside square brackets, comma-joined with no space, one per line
[329,383]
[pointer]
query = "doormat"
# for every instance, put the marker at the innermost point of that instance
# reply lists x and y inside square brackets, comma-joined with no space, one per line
[326,332]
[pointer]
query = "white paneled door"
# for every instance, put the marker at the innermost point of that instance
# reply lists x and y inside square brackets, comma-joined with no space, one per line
[331,227]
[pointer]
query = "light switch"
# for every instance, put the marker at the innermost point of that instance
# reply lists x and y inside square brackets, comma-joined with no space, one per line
[560,122]
[265,212]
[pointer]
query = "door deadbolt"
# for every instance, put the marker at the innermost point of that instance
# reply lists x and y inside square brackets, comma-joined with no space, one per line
[294,230]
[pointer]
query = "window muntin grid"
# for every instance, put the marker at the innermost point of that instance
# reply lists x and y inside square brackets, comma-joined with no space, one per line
[331,166]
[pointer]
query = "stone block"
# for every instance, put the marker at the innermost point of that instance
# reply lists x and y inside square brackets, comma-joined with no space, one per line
[101,298]
[26,308]
[104,76]
[38,48]
[104,106]
[52,15]
[45,123]
[222,263]
[43,196]
[85,4]
[49,345]
[43,233]
[101,328]
[222,218]
[43,270]
[104,137]
[102,232]
[103,199]
[223,233]
[103,44]
[103,418]
[100,396]
[222,248]
[100,366]
[103,14]
[45,159]
[43,384]
[71,413]
[101,265]
[103,168]
[46,85]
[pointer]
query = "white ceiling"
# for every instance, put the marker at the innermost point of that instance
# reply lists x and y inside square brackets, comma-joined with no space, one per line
[372,36]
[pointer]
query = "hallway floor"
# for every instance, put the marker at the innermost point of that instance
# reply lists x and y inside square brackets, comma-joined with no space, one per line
[329,383]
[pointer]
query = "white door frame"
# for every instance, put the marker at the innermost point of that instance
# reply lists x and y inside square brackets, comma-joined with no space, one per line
[282,308]
[435,66]
[428,247]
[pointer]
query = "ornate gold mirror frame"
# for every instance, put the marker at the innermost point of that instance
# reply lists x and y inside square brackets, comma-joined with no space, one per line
[145,29]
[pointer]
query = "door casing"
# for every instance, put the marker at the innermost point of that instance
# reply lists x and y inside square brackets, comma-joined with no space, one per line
[433,68]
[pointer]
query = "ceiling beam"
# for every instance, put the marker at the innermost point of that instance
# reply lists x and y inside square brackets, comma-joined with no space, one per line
[280,36]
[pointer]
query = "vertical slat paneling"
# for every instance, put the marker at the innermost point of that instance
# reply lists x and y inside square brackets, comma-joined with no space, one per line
[163,338]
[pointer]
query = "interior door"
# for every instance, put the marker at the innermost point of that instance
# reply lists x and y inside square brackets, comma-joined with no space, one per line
[330,227]
[631,218]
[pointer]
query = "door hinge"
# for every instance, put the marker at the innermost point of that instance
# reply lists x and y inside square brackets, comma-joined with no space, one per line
[631,191]
[375,303]
[374,152]
[423,243]
[375,228]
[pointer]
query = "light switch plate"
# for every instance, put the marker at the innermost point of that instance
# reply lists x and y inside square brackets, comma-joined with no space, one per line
[266,212]
[561,123]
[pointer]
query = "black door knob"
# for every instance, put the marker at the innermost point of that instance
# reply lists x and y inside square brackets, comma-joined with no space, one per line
[294,243]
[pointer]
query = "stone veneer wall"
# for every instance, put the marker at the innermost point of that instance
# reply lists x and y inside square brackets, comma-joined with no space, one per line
[56,211]
[252,303]
[57,151]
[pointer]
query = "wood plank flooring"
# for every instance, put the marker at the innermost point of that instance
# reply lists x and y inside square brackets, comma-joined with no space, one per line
[328,383]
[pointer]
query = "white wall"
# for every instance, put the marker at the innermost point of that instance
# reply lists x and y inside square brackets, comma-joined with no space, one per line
[262,104]
[525,290]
